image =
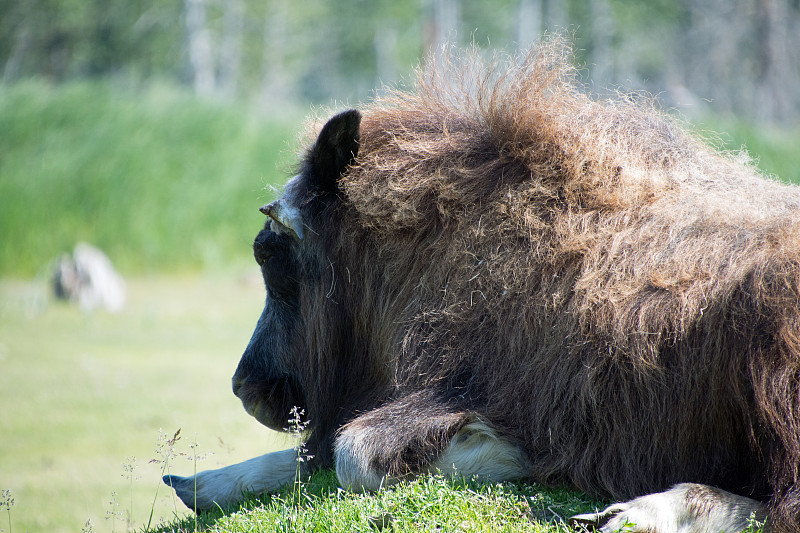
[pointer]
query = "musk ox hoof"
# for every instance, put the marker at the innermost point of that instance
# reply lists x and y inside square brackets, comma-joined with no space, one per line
[227,487]
[185,490]
[605,520]
[204,492]
[685,508]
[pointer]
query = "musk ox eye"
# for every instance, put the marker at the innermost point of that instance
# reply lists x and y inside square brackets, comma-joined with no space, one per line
[273,254]
[268,244]
[261,250]
[259,255]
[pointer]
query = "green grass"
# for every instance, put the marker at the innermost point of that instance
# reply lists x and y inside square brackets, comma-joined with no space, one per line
[155,178]
[426,504]
[162,181]
[773,148]
[83,393]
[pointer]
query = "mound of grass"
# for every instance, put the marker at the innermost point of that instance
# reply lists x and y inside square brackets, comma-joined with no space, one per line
[156,178]
[426,504]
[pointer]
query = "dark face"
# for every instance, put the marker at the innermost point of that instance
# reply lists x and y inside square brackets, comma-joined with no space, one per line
[269,378]
[264,380]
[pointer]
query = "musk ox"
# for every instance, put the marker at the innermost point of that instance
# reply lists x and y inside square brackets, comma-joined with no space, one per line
[493,274]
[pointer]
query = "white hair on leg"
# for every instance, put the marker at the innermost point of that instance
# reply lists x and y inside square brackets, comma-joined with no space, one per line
[477,450]
[352,464]
[685,508]
[227,486]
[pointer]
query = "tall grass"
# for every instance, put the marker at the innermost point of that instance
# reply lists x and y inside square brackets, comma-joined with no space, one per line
[156,178]
[773,148]
[162,181]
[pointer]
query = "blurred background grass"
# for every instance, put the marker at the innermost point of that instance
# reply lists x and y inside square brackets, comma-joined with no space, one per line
[164,181]
[155,130]
[84,398]
[158,179]
[151,129]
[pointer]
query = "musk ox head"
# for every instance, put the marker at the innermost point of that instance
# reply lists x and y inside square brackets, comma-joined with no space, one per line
[291,255]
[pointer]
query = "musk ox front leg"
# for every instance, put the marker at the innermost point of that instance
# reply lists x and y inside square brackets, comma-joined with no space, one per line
[417,435]
[685,508]
[229,485]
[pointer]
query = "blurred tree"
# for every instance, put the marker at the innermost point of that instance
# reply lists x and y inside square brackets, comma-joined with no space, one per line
[556,14]
[231,47]
[275,65]
[738,56]
[442,25]
[200,49]
[529,23]
[776,91]
[601,34]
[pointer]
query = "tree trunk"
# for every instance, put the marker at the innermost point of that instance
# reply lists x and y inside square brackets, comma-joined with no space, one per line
[778,79]
[200,51]
[529,23]
[275,84]
[18,52]
[556,16]
[442,26]
[602,58]
[385,43]
[231,50]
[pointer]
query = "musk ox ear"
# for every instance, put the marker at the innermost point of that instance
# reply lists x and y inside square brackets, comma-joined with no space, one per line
[335,148]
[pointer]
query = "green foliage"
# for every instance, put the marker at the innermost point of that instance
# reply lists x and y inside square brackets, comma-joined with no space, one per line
[773,148]
[426,504]
[84,397]
[157,179]
[68,39]
[163,181]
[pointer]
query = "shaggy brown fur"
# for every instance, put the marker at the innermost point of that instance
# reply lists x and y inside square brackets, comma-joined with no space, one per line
[496,275]
[594,282]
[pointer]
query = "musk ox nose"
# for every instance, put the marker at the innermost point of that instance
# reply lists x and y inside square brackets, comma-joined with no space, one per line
[236,385]
[246,394]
